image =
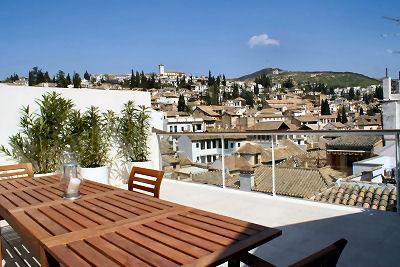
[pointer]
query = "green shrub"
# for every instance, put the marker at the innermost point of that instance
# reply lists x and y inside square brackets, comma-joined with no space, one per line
[133,131]
[42,138]
[90,136]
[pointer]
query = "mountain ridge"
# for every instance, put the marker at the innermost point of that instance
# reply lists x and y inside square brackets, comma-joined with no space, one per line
[331,78]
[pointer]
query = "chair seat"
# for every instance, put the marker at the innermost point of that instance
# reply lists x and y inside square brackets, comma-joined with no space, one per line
[15,253]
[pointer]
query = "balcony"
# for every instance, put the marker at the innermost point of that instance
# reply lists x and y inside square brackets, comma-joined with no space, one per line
[306,225]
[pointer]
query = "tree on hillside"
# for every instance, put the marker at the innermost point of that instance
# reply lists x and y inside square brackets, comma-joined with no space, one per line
[351,94]
[181,103]
[132,80]
[288,83]
[358,95]
[339,116]
[325,109]
[60,79]
[211,79]
[256,89]
[12,78]
[235,91]
[213,92]
[344,116]
[47,78]
[76,80]
[223,80]
[249,97]
[264,80]
[379,92]
[35,76]
[68,80]
[87,75]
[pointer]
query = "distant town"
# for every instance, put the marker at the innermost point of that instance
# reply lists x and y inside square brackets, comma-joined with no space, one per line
[267,100]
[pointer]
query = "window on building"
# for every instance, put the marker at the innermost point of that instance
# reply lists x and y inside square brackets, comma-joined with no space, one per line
[208,144]
[170,128]
[214,158]
[175,128]
[198,126]
[208,158]
[198,159]
[232,145]
[203,145]
[182,129]
[214,143]
[197,144]
[225,144]
[219,144]
[238,144]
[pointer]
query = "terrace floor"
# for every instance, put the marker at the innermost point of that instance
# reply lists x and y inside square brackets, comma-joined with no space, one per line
[374,236]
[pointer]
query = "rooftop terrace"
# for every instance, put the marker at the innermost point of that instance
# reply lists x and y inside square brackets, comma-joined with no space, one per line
[307,226]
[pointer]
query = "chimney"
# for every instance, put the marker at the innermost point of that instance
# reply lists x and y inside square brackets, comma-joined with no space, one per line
[387,87]
[246,178]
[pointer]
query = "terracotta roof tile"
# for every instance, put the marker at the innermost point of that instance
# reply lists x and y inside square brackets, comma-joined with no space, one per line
[363,196]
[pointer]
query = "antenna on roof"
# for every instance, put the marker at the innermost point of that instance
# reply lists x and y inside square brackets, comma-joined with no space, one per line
[399,75]
[386,73]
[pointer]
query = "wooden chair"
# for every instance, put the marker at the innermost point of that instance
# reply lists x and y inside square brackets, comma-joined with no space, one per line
[12,249]
[146,180]
[327,257]
[16,171]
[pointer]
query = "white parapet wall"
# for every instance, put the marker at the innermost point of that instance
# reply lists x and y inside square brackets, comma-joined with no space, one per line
[13,98]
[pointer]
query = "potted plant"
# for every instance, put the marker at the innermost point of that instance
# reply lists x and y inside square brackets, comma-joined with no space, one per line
[90,138]
[42,138]
[132,134]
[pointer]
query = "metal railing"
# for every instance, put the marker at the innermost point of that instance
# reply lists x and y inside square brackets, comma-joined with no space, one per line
[392,135]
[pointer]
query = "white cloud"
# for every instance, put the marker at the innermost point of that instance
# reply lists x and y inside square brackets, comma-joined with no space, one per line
[262,39]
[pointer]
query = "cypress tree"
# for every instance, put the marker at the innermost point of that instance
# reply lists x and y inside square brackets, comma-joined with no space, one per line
[132,81]
[256,89]
[86,76]
[181,103]
[67,80]
[76,80]
[344,117]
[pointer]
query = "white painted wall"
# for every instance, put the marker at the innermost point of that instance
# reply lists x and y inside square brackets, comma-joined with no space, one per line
[12,98]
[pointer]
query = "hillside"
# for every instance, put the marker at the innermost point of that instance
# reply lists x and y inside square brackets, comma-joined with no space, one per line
[331,78]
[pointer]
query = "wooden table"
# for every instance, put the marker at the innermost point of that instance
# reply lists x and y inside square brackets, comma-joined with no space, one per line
[109,226]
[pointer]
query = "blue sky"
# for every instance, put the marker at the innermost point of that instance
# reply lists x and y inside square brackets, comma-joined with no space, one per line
[195,36]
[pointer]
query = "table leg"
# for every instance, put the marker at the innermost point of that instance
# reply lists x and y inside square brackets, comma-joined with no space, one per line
[233,263]
[46,260]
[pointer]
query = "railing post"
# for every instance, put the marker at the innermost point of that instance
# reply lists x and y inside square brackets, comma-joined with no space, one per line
[159,153]
[273,165]
[223,160]
[397,172]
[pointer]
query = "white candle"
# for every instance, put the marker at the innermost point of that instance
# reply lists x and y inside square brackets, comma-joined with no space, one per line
[73,186]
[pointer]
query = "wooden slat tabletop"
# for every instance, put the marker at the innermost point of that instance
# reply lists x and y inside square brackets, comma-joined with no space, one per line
[109,226]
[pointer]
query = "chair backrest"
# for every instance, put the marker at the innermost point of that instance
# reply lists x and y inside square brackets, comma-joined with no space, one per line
[326,257]
[16,171]
[147,180]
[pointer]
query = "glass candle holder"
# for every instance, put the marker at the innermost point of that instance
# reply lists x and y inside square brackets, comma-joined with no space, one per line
[70,181]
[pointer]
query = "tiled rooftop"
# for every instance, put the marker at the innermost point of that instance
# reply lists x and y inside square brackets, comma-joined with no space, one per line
[382,198]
